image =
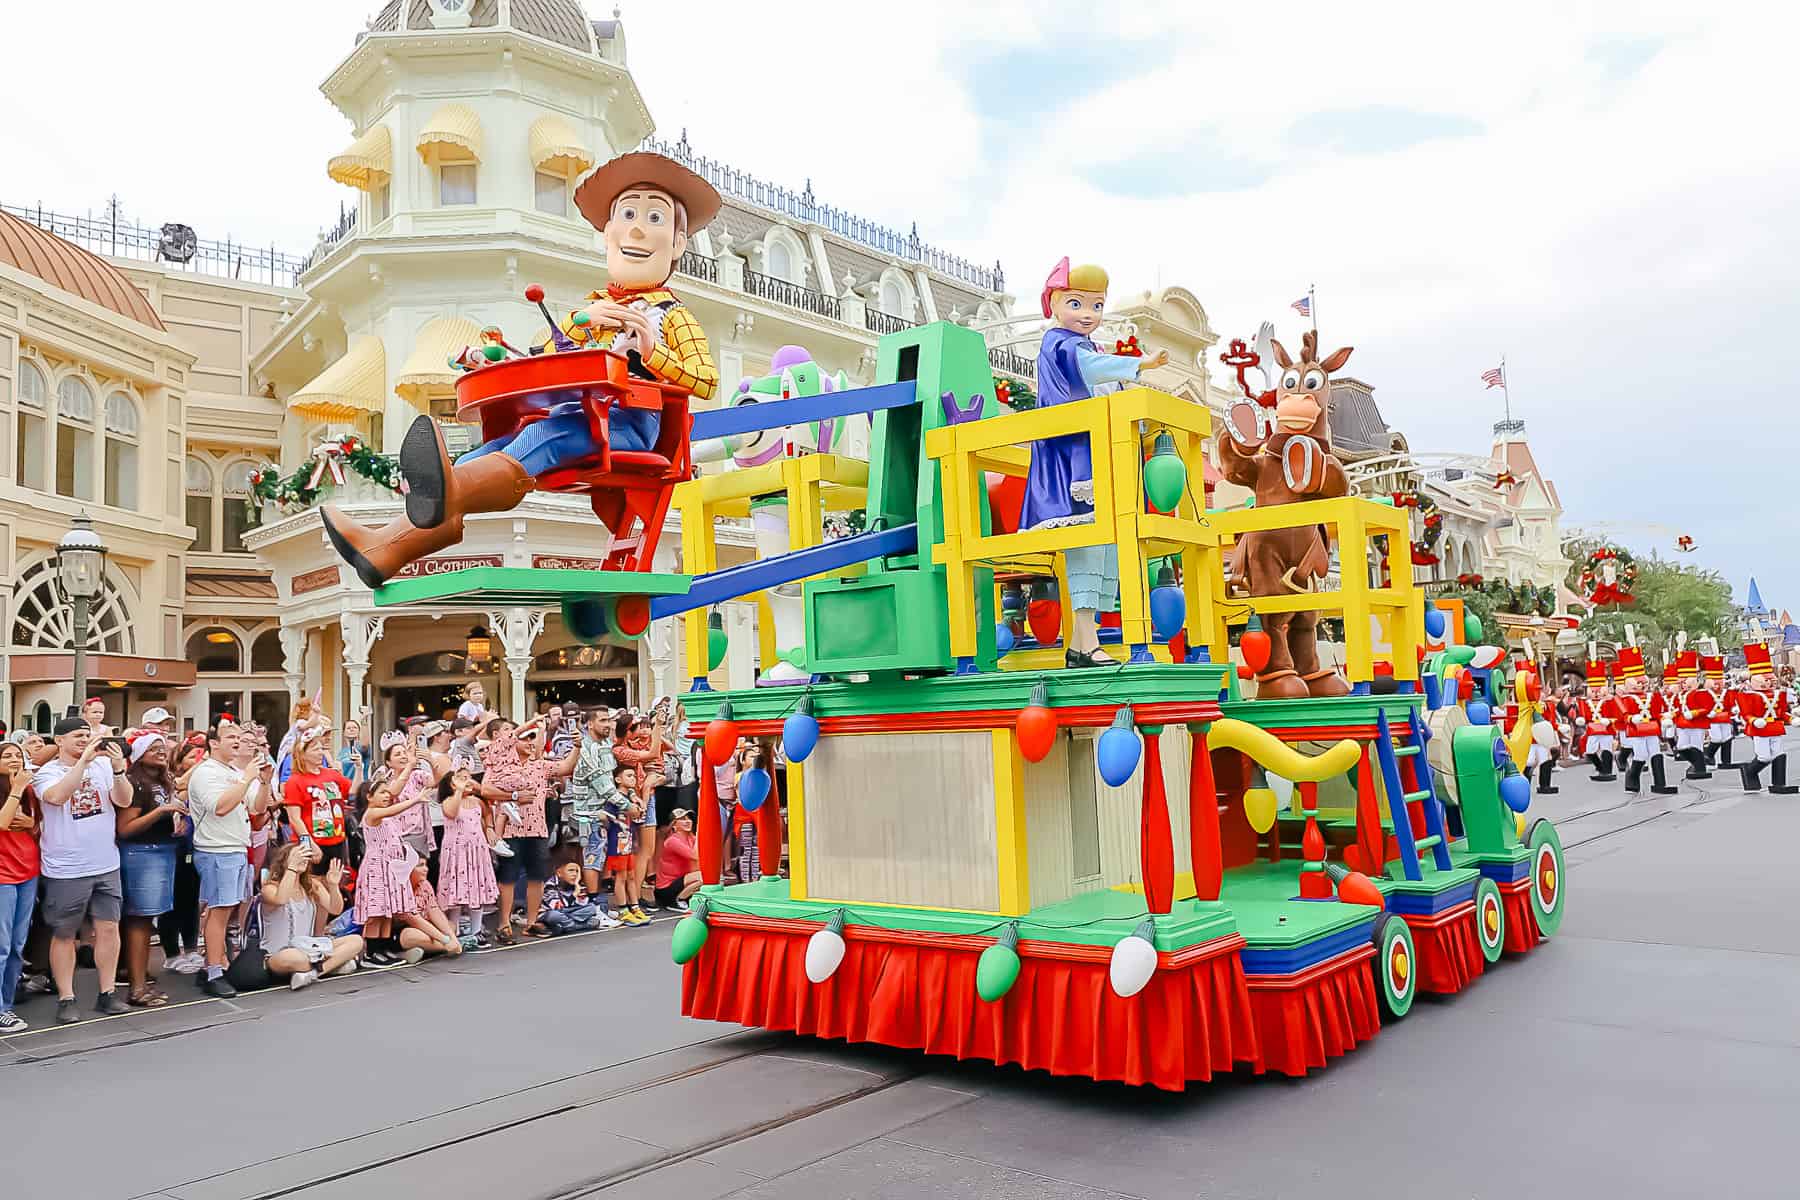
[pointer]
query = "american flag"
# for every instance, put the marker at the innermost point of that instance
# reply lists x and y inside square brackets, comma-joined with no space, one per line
[1303,306]
[1495,378]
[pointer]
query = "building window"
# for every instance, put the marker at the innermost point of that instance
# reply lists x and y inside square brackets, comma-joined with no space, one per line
[199,484]
[41,619]
[779,261]
[456,183]
[552,194]
[216,651]
[378,205]
[893,298]
[75,438]
[121,451]
[265,653]
[237,514]
[34,431]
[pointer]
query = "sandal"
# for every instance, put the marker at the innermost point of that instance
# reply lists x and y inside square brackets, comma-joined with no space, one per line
[146,997]
[504,935]
[537,931]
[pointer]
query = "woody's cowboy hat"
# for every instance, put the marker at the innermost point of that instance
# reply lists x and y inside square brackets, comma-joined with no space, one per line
[595,195]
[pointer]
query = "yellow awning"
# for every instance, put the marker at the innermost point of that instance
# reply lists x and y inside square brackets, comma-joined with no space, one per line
[453,134]
[353,385]
[428,365]
[556,147]
[367,163]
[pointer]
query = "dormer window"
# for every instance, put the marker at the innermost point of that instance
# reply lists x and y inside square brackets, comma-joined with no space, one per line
[456,184]
[450,144]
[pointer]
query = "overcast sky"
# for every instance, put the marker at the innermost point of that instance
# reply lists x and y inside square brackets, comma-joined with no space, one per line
[1604,194]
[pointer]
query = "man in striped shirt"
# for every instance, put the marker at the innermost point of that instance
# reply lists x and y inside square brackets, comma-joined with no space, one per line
[645,205]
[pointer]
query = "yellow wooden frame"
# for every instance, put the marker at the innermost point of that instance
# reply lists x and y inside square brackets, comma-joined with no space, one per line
[812,484]
[1113,424]
[1358,522]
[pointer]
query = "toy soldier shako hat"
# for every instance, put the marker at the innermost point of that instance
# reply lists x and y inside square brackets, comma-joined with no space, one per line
[1596,672]
[1756,657]
[1687,665]
[594,196]
[1713,667]
[1630,663]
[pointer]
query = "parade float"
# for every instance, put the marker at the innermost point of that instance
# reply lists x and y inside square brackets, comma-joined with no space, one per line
[1216,853]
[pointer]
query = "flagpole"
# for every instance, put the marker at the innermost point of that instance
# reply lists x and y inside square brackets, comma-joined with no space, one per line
[1312,305]
[1506,389]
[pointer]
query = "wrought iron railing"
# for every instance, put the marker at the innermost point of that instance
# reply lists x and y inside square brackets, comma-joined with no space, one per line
[329,239]
[1010,363]
[119,238]
[877,321]
[802,206]
[699,266]
[792,294]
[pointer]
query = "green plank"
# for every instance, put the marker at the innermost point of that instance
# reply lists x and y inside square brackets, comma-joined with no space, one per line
[1096,918]
[1335,710]
[535,587]
[1140,683]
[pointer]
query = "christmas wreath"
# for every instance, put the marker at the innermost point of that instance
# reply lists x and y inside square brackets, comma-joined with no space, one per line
[1609,576]
[325,469]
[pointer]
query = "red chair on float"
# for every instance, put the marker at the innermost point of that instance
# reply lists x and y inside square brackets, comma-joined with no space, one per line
[628,489]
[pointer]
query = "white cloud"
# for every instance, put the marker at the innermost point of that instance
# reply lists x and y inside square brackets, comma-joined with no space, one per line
[1621,223]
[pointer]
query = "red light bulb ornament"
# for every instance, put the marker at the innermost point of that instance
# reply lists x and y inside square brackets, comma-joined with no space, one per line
[1044,614]
[1255,646]
[1037,725]
[721,736]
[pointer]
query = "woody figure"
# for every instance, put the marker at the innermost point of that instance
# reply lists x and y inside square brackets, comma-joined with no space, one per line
[645,205]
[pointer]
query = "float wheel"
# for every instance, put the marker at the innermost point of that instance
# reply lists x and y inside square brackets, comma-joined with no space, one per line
[1396,966]
[1546,876]
[586,617]
[1490,919]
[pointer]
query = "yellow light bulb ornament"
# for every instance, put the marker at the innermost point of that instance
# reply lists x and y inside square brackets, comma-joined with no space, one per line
[1260,802]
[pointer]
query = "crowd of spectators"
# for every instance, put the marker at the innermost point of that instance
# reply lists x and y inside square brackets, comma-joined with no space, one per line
[146,855]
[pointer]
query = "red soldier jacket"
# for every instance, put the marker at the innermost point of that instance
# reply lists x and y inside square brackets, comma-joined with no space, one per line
[1696,709]
[1765,714]
[1599,716]
[1641,715]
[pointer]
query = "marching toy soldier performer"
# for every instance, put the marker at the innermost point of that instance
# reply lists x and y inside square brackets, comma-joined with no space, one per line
[1720,731]
[1641,731]
[645,205]
[1693,714]
[1763,708]
[1594,710]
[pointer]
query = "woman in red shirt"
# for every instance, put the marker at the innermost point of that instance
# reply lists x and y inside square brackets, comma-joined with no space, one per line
[20,819]
[314,797]
[678,870]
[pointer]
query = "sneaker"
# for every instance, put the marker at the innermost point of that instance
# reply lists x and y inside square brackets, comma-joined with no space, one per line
[378,956]
[606,921]
[632,916]
[502,849]
[37,985]
[67,1011]
[12,1022]
[512,812]
[300,979]
[348,968]
[187,963]
[470,942]
[413,957]
[220,987]
[643,917]
[680,906]
[109,1005]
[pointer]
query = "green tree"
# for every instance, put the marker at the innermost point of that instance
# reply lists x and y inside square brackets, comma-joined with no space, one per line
[1479,602]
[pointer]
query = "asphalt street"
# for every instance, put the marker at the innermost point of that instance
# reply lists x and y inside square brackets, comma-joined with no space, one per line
[1650,1050]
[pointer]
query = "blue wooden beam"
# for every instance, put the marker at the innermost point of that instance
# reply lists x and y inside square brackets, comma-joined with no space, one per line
[764,573]
[774,414]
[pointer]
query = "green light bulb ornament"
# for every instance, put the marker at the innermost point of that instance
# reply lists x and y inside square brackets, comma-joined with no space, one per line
[1165,475]
[998,967]
[690,932]
[717,641]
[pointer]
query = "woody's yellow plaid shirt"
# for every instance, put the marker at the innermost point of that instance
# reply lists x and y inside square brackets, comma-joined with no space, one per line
[683,357]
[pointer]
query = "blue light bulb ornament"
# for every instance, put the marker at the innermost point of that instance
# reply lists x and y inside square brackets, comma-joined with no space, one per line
[1516,791]
[800,732]
[753,788]
[1119,750]
[1003,638]
[1168,605]
[1435,623]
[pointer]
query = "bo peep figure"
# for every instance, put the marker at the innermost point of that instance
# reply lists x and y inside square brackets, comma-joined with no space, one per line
[1059,487]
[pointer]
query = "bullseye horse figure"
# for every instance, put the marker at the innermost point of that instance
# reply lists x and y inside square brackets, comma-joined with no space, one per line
[1285,460]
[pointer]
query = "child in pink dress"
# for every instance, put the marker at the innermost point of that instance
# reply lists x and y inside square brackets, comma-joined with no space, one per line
[466,882]
[384,882]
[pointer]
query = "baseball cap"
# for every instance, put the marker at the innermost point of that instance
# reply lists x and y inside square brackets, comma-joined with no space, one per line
[678,813]
[155,716]
[67,726]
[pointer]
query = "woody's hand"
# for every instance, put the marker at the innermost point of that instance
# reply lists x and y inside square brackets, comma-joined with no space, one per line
[605,314]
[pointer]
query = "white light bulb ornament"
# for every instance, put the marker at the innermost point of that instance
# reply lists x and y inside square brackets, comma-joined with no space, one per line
[825,949]
[1134,960]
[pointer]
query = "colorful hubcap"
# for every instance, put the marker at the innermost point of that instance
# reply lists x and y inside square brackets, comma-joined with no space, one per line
[1545,877]
[1399,968]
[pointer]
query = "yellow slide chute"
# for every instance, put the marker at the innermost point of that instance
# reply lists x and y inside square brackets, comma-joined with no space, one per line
[1272,754]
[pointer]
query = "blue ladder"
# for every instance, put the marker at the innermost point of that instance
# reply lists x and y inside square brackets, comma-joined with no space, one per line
[1435,839]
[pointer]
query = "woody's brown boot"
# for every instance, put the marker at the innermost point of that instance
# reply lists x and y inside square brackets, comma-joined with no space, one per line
[491,483]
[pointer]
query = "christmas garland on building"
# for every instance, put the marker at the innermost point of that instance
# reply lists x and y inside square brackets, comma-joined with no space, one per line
[325,469]
[1598,588]
[1424,547]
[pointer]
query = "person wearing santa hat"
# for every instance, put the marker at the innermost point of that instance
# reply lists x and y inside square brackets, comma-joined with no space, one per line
[1719,731]
[1640,732]
[1593,711]
[1693,714]
[1763,708]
